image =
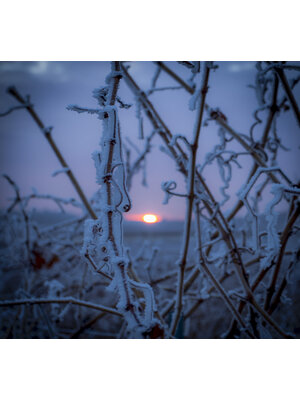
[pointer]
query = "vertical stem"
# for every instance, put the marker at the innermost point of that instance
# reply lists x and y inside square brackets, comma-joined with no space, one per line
[116,71]
[217,285]
[284,239]
[189,210]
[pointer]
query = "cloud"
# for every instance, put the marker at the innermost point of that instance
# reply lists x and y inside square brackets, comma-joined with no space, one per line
[241,66]
[45,70]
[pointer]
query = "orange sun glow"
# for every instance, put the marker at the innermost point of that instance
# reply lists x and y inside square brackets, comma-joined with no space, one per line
[150,218]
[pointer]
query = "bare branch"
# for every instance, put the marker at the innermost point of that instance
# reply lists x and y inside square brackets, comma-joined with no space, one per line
[60,300]
[47,132]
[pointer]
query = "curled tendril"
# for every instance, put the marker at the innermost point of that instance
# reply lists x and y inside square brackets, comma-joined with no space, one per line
[180,137]
[168,188]
[257,120]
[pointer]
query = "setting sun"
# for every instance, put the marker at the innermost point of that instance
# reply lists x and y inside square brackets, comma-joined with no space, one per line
[150,218]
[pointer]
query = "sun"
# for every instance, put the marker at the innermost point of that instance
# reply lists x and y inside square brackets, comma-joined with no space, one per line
[150,218]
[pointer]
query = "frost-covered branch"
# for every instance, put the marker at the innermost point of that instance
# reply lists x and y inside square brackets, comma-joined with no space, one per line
[18,200]
[243,263]
[289,92]
[166,136]
[47,133]
[103,242]
[59,300]
[189,209]
[202,265]
[273,109]
[283,242]
[58,200]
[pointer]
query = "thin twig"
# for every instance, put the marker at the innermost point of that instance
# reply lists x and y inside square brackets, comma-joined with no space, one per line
[87,325]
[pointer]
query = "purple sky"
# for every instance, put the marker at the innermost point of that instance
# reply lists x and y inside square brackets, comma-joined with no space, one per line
[27,158]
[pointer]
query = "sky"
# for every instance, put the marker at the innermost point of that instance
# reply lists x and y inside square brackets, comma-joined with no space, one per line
[27,158]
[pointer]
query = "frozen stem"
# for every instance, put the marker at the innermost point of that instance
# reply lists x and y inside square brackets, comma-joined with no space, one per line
[60,300]
[189,210]
[47,132]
